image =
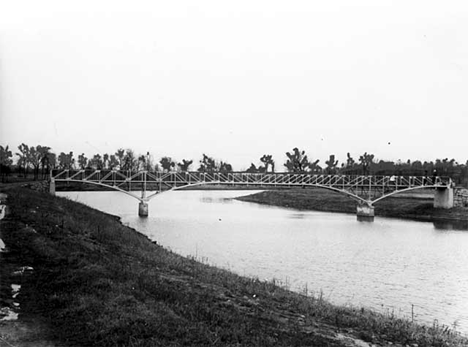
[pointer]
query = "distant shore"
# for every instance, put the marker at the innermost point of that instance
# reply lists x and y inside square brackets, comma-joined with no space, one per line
[417,206]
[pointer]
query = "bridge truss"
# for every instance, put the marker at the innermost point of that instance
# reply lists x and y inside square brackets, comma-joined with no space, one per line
[365,189]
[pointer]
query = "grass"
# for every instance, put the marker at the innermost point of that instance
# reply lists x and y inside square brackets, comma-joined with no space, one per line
[98,283]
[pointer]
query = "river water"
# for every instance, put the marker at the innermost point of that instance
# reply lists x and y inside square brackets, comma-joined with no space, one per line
[393,266]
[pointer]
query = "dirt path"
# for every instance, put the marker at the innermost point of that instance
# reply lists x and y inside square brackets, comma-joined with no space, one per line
[16,330]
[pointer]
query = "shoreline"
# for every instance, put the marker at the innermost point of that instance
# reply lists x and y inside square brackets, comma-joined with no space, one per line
[90,268]
[417,208]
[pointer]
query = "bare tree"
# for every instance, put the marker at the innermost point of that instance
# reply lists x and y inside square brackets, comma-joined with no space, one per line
[185,164]
[297,161]
[366,162]
[331,164]
[267,160]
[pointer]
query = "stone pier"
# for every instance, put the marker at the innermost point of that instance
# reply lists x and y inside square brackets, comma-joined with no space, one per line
[365,212]
[143,209]
[443,197]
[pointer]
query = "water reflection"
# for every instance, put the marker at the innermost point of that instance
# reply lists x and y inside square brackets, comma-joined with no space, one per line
[297,215]
[365,219]
[451,225]
[210,200]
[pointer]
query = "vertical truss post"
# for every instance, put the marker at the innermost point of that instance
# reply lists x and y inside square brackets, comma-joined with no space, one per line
[143,187]
[370,187]
[160,179]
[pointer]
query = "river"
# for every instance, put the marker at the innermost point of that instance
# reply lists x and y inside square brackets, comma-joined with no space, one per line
[406,268]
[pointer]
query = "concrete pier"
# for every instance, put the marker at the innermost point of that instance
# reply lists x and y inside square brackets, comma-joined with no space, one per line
[443,197]
[52,186]
[365,212]
[143,209]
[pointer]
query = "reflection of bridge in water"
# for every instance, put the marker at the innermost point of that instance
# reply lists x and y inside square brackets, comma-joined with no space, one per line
[366,190]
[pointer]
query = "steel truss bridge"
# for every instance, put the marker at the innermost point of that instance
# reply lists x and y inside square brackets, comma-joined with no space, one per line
[366,190]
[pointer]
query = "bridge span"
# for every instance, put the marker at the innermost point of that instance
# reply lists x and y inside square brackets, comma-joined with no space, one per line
[366,190]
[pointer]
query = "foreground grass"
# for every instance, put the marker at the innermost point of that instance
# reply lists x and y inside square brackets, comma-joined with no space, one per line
[98,283]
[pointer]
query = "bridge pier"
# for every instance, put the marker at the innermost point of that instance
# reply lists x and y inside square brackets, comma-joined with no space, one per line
[443,197]
[143,209]
[365,212]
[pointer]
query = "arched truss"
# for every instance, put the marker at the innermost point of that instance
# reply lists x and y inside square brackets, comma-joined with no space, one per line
[401,191]
[107,186]
[347,185]
[351,195]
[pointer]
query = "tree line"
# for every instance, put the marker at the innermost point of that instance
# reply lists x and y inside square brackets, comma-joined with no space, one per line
[39,160]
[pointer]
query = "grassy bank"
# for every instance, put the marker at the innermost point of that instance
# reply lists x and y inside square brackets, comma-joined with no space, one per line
[417,207]
[96,282]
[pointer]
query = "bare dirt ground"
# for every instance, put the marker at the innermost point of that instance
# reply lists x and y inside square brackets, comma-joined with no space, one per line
[16,330]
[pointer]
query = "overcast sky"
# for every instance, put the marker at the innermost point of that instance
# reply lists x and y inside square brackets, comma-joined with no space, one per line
[238,79]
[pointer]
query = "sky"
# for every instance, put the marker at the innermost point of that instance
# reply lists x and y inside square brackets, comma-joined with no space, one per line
[237,79]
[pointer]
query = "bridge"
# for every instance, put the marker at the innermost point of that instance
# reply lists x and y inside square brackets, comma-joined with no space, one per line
[366,190]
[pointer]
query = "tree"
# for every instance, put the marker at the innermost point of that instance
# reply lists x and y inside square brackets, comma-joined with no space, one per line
[130,161]
[113,162]
[66,161]
[207,164]
[50,162]
[142,162]
[314,167]
[184,165]
[252,169]
[6,156]
[225,167]
[120,156]
[24,158]
[297,161]
[5,162]
[45,157]
[366,161]
[105,160]
[96,162]
[267,160]
[35,159]
[331,164]
[82,161]
[349,161]
[167,164]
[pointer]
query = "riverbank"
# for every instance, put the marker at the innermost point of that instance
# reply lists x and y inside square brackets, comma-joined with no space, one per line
[417,206]
[95,282]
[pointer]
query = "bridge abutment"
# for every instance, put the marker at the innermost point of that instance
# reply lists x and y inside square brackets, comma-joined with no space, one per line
[143,209]
[443,197]
[365,212]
